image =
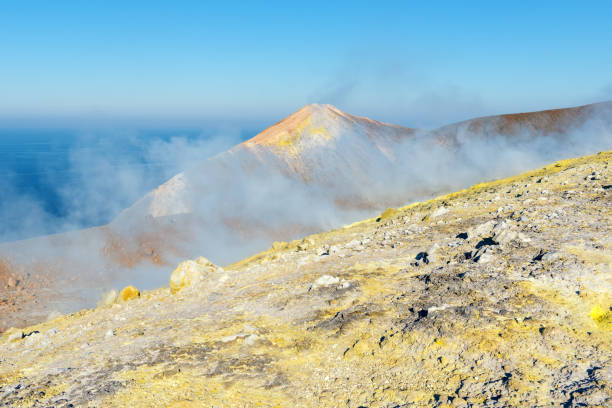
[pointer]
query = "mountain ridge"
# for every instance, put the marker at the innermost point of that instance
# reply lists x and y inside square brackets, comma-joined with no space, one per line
[238,202]
[549,121]
[318,126]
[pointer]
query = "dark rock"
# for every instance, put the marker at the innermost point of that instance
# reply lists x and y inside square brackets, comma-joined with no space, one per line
[381,341]
[24,335]
[424,278]
[422,256]
[462,235]
[539,256]
[486,241]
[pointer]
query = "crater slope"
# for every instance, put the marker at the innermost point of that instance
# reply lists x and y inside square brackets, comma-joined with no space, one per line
[498,295]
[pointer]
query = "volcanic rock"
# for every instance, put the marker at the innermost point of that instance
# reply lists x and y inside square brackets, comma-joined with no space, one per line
[191,273]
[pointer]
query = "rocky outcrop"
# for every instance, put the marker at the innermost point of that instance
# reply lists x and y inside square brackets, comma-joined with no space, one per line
[192,273]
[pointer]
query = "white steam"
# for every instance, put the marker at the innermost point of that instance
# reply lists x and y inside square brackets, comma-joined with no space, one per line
[240,202]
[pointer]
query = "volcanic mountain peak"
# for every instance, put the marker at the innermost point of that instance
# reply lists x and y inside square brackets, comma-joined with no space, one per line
[314,125]
[312,120]
[318,142]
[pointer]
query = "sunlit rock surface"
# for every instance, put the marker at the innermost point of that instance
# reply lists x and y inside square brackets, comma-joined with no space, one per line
[191,273]
[498,295]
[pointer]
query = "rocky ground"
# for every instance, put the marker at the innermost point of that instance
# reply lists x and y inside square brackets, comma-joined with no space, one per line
[21,290]
[499,295]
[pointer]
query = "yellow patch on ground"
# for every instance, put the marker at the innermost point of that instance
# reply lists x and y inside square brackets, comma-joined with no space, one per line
[10,377]
[374,279]
[591,256]
[190,388]
[602,317]
[49,392]
[289,140]
[388,214]
[129,292]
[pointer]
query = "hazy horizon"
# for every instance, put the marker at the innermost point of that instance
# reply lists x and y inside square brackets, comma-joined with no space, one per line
[117,63]
[97,122]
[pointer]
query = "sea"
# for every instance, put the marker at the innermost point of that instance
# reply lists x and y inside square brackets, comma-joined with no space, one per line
[53,180]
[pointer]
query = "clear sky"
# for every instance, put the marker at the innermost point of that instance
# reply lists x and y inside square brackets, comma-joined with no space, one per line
[413,63]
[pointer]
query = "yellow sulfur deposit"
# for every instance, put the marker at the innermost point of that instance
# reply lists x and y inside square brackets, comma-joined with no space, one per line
[189,273]
[597,313]
[129,292]
[603,318]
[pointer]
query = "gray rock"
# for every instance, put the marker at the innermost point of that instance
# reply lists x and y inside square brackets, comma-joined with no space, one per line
[551,256]
[482,229]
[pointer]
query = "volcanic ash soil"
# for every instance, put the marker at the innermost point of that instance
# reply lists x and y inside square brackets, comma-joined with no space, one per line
[498,295]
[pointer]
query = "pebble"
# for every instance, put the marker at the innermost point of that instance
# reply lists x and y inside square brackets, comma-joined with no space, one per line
[326,280]
[12,282]
[440,211]
[551,256]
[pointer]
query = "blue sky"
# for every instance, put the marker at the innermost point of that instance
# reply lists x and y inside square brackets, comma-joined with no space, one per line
[405,62]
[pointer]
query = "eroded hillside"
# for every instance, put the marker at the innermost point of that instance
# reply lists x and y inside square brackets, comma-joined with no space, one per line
[498,295]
